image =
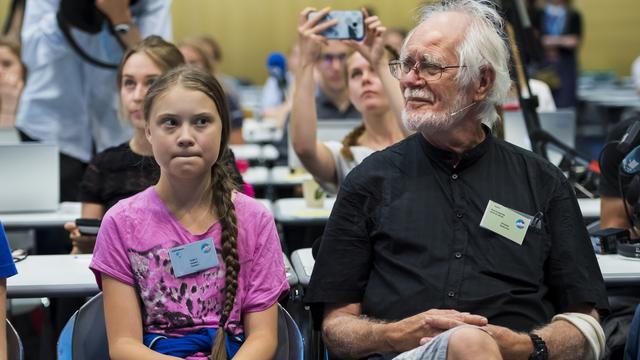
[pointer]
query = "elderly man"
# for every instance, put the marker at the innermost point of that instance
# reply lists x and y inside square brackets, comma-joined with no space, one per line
[452,243]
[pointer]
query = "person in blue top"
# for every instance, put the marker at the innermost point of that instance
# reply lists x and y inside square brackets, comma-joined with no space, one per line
[7,269]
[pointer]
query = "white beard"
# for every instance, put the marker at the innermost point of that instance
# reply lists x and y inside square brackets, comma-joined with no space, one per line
[431,120]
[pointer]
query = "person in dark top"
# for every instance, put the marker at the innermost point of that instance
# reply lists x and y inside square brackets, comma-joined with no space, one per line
[612,212]
[125,170]
[405,267]
[560,30]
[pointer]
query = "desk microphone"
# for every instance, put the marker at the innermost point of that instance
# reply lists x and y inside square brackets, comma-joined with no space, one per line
[462,109]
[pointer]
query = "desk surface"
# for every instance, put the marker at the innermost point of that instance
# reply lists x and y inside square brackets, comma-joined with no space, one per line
[295,211]
[68,211]
[619,270]
[52,276]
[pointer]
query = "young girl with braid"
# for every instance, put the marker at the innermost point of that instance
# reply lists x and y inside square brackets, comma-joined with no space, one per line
[189,267]
[372,90]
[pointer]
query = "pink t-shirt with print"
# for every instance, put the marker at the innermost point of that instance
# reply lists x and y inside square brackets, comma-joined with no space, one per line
[132,247]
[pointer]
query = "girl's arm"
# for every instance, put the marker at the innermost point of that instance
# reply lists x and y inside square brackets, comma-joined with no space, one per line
[261,329]
[124,322]
[313,154]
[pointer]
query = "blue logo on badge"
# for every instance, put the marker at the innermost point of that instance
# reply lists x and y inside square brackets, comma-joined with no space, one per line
[206,248]
[520,223]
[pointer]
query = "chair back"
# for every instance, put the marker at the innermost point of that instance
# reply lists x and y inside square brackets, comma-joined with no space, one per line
[85,334]
[15,351]
[290,345]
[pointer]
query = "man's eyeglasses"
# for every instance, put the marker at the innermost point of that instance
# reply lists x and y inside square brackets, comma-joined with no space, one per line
[328,59]
[427,70]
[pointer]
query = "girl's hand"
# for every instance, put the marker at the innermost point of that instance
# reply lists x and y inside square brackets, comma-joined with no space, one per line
[372,46]
[309,39]
[82,244]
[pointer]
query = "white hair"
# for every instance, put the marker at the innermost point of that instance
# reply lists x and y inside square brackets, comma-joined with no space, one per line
[484,45]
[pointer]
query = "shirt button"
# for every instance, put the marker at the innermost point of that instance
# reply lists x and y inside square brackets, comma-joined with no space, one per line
[458,255]
[454,177]
[458,215]
[451,294]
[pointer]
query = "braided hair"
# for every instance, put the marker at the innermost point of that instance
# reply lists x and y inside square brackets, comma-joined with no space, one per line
[222,184]
[351,139]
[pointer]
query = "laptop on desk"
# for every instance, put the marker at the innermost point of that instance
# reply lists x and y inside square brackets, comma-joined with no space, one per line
[29,178]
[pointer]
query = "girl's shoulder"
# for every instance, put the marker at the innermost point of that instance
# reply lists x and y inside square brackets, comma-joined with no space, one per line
[250,208]
[134,206]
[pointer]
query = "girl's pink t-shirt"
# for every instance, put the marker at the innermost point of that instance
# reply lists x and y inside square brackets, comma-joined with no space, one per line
[133,247]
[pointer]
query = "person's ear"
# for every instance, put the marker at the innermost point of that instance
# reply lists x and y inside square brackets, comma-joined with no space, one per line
[485,83]
[147,131]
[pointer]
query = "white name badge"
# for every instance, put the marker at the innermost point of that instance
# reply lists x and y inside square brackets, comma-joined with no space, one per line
[191,258]
[506,222]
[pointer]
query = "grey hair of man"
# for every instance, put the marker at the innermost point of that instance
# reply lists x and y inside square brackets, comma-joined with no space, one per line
[484,45]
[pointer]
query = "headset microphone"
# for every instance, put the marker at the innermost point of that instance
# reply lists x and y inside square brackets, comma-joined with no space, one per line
[463,109]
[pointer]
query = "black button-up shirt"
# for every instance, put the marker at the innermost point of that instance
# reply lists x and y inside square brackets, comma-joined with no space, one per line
[404,237]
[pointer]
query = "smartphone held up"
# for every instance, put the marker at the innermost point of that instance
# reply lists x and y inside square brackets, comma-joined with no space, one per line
[350,24]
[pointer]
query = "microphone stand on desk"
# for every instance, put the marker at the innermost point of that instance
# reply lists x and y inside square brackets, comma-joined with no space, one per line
[520,32]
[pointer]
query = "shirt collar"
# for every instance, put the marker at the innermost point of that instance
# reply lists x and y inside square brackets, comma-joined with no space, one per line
[446,157]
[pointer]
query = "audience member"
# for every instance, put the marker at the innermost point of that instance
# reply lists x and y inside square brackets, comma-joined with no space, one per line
[68,101]
[171,308]
[332,95]
[7,269]
[12,76]
[195,206]
[560,28]
[276,99]
[371,90]
[196,55]
[415,261]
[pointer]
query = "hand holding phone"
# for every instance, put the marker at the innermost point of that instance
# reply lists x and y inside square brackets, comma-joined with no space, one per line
[349,26]
[88,226]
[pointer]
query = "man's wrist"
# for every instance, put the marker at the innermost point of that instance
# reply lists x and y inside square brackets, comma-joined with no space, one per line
[386,333]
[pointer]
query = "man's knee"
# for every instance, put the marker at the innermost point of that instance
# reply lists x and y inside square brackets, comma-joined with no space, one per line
[472,343]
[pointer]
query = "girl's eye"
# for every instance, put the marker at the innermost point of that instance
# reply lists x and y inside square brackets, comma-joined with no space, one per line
[169,122]
[150,81]
[128,83]
[201,121]
[356,74]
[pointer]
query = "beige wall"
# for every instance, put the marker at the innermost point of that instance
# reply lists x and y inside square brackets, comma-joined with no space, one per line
[611,34]
[249,29]
[249,32]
